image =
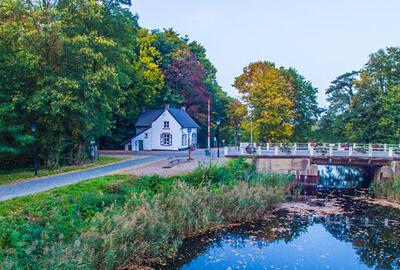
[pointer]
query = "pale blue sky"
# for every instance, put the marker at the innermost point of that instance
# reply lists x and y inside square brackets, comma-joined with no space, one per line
[322,39]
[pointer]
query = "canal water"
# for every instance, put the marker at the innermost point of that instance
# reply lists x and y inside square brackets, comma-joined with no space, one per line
[359,236]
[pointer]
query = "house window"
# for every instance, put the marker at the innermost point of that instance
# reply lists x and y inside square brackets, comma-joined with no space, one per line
[194,138]
[146,135]
[184,139]
[166,139]
[166,124]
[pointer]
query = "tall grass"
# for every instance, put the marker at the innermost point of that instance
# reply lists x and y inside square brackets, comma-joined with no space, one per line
[388,189]
[146,222]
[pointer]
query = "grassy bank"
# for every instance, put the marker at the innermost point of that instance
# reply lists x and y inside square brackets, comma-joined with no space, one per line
[389,189]
[118,221]
[10,176]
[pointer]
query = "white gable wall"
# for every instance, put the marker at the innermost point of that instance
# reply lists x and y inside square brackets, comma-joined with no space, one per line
[146,141]
[174,129]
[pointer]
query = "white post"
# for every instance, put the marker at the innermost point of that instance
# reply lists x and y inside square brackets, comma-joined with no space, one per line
[385,147]
[242,150]
[294,148]
[330,150]
[338,147]
[226,151]
[259,150]
[267,146]
[350,151]
[370,149]
[276,150]
[311,150]
[390,152]
[309,146]
[354,145]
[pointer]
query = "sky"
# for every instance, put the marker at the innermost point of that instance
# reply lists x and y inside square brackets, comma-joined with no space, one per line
[322,39]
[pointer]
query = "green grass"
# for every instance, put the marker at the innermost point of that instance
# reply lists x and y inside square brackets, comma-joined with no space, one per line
[10,176]
[112,221]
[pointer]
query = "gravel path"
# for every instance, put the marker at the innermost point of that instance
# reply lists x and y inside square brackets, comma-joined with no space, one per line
[156,167]
[44,183]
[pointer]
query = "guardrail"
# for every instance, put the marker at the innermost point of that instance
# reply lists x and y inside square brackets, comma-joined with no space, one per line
[315,149]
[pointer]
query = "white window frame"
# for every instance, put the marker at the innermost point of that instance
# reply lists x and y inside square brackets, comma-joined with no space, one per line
[194,138]
[166,124]
[184,139]
[166,139]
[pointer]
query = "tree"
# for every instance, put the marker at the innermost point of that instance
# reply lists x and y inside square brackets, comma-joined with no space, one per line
[270,100]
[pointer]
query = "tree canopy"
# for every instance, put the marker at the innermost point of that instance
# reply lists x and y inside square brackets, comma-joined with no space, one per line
[364,104]
[82,70]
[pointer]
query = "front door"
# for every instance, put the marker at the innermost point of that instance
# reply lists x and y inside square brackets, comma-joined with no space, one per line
[140,145]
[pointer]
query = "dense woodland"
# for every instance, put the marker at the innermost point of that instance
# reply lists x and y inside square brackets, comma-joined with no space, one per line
[82,71]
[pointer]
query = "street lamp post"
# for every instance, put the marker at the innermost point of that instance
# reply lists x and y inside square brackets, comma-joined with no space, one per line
[218,122]
[35,158]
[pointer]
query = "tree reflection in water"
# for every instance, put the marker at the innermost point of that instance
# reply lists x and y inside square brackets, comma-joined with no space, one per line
[374,241]
[341,177]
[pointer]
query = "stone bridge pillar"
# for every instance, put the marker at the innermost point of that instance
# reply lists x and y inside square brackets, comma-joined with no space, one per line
[299,166]
[391,170]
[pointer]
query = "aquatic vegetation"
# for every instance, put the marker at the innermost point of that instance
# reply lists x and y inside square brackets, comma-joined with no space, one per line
[388,189]
[115,221]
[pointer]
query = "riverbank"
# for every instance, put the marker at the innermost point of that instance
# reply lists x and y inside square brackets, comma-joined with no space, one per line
[387,190]
[120,221]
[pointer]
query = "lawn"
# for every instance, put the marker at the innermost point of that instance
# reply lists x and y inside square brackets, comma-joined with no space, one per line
[10,176]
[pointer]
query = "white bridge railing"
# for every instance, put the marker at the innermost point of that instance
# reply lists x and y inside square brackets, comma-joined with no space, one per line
[377,150]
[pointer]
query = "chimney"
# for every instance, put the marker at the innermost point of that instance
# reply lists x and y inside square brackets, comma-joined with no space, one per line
[143,109]
[166,107]
[183,108]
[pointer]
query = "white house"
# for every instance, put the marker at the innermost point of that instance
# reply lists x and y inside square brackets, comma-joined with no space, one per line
[163,129]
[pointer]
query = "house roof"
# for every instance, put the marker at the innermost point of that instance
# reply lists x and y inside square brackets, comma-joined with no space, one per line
[130,138]
[183,118]
[147,118]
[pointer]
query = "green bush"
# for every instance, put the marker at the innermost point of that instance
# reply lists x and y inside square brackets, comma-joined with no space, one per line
[113,221]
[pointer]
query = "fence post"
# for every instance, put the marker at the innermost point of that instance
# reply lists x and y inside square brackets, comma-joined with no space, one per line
[259,150]
[267,146]
[350,151]
[242,150]
[225,150]
[311,150]
[309,146]
[390,152]
[276,150]
[370,149]
[330,150]
[385,147]
[338,147]
[294,148]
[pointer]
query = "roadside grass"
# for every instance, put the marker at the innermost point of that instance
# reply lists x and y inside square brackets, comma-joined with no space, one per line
[10,176]
[388,189]
[120,221]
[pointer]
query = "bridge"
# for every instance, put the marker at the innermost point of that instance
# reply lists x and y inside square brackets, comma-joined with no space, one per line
[301,159]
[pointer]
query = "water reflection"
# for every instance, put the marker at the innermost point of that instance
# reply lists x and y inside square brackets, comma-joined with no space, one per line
[342,177]
[366,237]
